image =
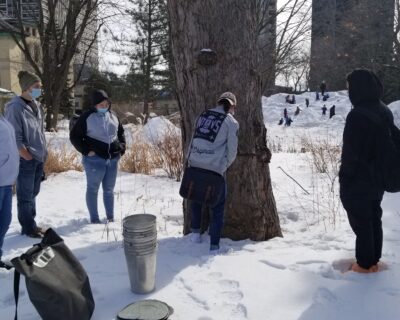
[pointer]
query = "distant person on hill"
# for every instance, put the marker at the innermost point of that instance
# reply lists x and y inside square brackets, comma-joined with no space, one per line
[325,97]
[317,96]
[332,111]
[297,112]
[99,136]
[26,115]
[324,109]
[287,99]
[280,122]
[323,87]
[293,101]
[307,102]
[288,122]
[359,176]
[285,113]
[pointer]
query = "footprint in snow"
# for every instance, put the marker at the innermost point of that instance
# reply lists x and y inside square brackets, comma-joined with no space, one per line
[273,265]
[215,275]
[228,284]
[306,262]
[227,292]
[343,265]
[233,296]
[323,296]
[235,311]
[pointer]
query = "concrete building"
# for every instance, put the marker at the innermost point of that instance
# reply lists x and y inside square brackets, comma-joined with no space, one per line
[267,43]
[12,60]
[349,34]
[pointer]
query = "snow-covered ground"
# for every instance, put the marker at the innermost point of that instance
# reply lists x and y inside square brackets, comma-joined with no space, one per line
[296,277]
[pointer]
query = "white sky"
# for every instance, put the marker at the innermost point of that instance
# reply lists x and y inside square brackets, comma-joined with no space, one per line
[122,28]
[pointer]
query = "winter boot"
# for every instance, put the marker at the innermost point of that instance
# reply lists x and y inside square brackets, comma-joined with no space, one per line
[356,268]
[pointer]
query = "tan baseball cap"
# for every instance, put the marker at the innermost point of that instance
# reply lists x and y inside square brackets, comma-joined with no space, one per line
[229,96]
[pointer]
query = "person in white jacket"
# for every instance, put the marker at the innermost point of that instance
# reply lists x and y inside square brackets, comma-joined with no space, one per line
[214,148]
[9,165]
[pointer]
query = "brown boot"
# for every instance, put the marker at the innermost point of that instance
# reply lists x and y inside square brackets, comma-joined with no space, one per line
[380,266]
[374,268]
[356,268]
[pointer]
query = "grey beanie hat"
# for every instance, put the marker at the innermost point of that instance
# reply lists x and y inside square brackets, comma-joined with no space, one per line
[27,79]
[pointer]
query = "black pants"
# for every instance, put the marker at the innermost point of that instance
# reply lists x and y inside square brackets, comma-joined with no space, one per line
[365,217]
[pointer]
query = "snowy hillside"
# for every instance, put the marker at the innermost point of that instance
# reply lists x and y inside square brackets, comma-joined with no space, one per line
[298,277]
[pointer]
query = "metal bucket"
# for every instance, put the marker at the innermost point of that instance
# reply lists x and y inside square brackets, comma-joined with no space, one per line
[140,247]
[142,271]
[139,236]
[140,252]
[138,222]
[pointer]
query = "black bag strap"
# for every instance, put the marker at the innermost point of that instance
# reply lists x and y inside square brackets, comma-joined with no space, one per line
[4,265]
[17,278]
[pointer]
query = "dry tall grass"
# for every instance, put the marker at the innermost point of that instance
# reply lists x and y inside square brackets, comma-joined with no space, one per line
[324,156]
[324,159]
[165,153]
[169,150]
[62,160]
[140,157]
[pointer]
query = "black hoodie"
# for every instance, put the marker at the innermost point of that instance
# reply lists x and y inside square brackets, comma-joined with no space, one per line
[360,137]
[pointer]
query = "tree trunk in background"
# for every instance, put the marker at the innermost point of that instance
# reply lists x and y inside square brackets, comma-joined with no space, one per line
[228,27]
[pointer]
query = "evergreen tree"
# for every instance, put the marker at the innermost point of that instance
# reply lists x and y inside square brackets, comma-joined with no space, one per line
[151,68]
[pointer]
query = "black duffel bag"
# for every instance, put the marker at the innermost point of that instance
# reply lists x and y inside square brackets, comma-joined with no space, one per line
[56,282]
[203,186]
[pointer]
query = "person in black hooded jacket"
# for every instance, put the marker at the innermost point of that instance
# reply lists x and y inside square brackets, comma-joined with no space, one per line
[360,193]
[99,136]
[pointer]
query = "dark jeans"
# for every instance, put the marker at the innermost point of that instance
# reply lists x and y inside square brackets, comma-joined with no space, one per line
[5,213]
[28,187]
[217,220]
[365,217]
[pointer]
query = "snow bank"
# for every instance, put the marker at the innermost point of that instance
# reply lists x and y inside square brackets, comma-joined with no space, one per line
[155,130]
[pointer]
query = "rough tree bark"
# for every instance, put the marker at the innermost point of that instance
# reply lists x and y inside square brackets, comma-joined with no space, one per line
[228,27]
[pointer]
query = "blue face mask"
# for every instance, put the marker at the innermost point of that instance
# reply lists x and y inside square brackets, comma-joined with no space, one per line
[102,110]
[36,93]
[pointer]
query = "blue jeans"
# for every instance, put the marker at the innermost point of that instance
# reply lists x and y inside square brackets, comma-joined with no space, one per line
[217,221]
[5,212]
[104,172]
[28,187]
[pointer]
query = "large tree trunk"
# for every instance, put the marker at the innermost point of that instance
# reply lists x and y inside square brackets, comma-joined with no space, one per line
[52,97]
[227,27]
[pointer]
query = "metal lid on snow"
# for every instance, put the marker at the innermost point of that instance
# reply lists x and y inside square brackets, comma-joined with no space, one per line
[146,310]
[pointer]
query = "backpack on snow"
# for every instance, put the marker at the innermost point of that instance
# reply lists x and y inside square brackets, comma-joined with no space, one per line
[56,282]
[387,165]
